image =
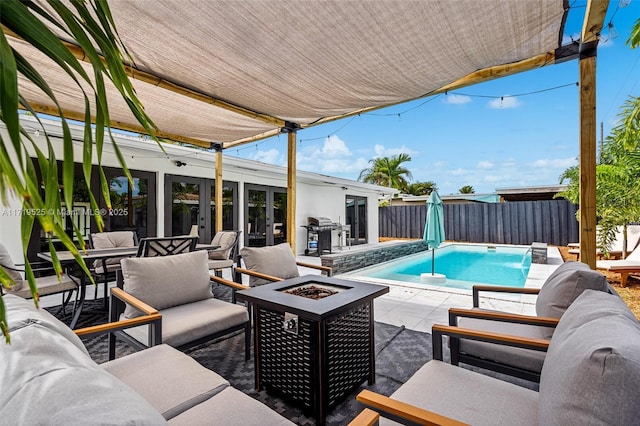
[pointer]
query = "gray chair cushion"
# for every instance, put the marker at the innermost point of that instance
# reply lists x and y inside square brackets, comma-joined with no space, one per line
[47,285]
[46,379]
[225,240]
[230,408]
[468,396]
[152,372]
[277,261]
[163,282]
[106,240]
[517,357]
[6,260]
[564,285]
[185,323]
[592,371]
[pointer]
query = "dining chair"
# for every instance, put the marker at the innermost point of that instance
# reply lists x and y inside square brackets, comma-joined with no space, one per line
[106,268]
[166,246]
[226,256]
[46,285]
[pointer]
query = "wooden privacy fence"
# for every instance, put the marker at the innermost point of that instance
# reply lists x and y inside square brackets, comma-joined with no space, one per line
[521,222]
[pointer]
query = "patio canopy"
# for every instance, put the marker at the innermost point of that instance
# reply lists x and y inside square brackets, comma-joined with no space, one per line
[236,71]
[228,72]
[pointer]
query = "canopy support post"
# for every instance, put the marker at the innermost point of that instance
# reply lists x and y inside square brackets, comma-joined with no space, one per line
[218,187]
[291,129]
[593,22]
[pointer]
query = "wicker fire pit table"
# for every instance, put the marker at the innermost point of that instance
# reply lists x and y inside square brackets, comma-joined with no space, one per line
[313,339]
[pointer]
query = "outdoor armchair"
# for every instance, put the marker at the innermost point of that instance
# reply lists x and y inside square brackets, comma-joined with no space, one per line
[46,285]
[560,289]
[271,264]
[178,287]
[589,376]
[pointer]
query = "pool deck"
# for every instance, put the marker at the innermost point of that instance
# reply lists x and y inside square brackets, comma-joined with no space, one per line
[418,306]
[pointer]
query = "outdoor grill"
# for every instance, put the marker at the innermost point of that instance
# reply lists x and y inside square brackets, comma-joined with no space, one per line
[319,235]
[311,351]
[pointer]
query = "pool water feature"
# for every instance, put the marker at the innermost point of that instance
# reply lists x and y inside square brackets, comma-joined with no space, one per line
[463,264]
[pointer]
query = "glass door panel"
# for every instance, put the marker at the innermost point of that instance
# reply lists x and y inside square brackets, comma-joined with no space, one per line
[279,220]
[256,228]
[356,218]
[185,208]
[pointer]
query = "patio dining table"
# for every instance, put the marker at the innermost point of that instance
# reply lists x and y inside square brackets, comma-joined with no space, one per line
[66,259]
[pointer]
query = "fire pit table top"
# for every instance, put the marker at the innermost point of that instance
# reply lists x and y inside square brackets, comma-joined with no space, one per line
[348,293]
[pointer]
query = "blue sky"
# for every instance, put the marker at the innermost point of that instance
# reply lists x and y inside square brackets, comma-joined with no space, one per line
[468,138]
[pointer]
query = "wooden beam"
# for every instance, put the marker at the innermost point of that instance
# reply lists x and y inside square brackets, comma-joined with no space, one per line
[218,191]
[591,28]
[52,110]
[291,191]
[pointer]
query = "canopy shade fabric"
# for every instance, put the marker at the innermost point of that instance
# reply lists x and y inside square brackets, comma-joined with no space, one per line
[235,71]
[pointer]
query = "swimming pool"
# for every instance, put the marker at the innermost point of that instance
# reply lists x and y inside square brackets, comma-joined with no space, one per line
[463,264]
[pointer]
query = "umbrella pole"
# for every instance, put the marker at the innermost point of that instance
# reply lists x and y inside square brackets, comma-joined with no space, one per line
[433,262]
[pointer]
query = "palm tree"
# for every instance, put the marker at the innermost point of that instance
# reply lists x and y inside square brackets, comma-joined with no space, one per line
[467,189]
[385,171]
[421,188]
[89,25]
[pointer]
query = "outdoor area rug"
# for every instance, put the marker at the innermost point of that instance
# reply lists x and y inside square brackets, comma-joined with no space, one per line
[399,354]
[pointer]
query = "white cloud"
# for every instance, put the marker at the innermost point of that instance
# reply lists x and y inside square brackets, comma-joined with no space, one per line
[460,172]
[556,163]
[271,156]
[333,157]
[456,99]
[485,165]
[505,102]
[381,151]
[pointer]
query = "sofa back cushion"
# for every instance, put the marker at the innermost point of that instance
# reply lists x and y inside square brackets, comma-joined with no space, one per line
[47,379]
[564,285]
[225,240]
[6,260]
[167,281]
[591,374]
[277,261]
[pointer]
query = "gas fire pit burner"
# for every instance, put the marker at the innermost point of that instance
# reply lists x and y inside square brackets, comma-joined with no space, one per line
[311,292]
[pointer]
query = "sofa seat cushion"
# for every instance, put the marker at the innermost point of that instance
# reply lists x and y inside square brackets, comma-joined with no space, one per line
[231,408]
[171,381]
[46,379]
[468,396]
[186,323]
[277,261]
[592,371]
[516,357]
[167,281]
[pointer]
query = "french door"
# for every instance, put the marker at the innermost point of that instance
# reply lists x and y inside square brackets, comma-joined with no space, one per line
[190,206]
[265,215]
[356,218]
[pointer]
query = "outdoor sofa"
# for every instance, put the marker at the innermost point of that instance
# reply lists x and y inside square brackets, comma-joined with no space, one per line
[48,377]
[591,375]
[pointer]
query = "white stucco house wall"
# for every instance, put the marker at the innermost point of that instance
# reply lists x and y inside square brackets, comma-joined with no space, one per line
[317,195]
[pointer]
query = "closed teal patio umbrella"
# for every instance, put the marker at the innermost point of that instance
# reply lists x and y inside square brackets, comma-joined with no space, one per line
[434,226]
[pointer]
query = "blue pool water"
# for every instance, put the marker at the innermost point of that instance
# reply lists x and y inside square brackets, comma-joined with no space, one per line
[464,265]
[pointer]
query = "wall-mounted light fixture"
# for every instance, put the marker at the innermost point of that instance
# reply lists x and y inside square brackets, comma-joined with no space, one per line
[180,163]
